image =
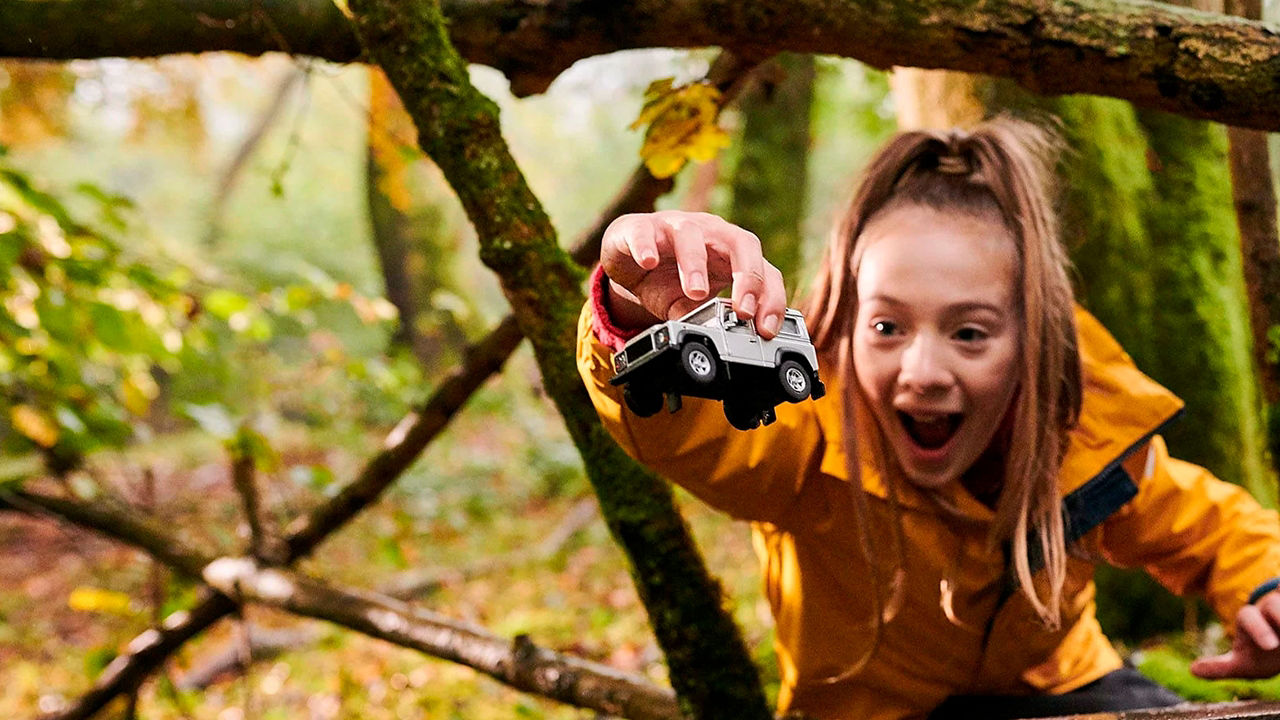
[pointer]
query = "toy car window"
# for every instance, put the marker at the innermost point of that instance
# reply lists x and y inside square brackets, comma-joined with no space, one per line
[703,316]
[790,326]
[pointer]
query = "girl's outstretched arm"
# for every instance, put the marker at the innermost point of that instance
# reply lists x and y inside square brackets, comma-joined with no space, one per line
[1197,534]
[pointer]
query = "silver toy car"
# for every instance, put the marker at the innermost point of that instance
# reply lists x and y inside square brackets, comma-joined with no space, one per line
[710,353]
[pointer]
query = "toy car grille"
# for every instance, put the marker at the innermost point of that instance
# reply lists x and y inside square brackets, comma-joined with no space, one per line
[638,349]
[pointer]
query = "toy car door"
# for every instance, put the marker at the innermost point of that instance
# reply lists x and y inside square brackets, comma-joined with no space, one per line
[740,338]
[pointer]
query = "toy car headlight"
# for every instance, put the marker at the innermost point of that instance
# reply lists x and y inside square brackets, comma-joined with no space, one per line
[619,362]
[660,338]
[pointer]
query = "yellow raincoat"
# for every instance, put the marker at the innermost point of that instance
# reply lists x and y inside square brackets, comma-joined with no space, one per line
[1128,503]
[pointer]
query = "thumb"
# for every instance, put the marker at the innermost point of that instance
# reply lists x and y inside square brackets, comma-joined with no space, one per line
[1216,667]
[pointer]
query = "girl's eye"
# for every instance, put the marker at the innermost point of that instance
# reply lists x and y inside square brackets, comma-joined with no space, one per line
[884,327]
[970,334]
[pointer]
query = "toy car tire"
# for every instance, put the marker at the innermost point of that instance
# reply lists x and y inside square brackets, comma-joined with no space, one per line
[741,415]
[698,362]
[795,381]
[644,403]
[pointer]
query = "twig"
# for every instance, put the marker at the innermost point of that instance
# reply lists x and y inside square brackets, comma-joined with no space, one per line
[266,643]
[231,176]
[263,544]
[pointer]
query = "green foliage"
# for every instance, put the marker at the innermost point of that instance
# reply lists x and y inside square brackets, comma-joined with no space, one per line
[83,327]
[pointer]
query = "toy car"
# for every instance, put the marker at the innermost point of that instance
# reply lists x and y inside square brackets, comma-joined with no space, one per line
[711,353]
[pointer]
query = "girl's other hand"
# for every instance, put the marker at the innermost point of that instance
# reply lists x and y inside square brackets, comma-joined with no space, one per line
[1255,653]
[662,265]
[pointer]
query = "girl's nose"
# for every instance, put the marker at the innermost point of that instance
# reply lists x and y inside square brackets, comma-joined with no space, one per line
[924,370]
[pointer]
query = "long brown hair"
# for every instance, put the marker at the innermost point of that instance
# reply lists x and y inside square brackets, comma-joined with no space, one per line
[1003,170]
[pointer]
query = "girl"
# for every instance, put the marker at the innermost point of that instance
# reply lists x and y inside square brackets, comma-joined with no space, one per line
[928,530]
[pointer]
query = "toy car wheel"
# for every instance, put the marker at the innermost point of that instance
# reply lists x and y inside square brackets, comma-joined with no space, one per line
[644,403]
[698,362]
[795,380]
[741,415]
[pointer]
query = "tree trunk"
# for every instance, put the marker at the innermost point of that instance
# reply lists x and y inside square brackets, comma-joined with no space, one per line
[413,241]
[1199,290]
[769,183]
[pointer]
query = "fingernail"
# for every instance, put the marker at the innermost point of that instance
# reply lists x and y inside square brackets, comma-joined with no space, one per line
[771,324]
[697,283]
[749,304]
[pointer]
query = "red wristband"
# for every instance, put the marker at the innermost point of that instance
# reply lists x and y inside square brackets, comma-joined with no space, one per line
[601,322]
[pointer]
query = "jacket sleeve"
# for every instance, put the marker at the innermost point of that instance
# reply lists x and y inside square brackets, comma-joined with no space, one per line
[753,475]
[1193,532]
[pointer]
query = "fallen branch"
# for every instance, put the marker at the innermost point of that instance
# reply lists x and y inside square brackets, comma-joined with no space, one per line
[518,663]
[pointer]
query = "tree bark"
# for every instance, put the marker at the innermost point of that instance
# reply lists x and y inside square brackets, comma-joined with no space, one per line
[770,180]
[1200,302]
[458,128]
[1183,61]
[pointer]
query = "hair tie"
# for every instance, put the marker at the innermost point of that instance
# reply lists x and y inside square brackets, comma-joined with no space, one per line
[953,165]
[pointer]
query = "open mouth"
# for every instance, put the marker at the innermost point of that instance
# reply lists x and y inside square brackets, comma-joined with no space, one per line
[931,431]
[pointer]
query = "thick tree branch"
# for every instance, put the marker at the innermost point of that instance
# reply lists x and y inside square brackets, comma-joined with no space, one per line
[1192,63]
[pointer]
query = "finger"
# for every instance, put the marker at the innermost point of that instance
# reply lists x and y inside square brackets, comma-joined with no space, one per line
[690,247]
[642,242]
[1251,624]
[1215,667]
[1269,604]
[616,253]
[748,266]
[773,303]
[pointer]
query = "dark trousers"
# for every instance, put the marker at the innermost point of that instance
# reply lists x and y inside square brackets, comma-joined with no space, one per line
[1124,689]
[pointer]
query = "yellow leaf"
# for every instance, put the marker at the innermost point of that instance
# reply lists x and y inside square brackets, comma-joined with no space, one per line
[34,424]
[137,391]
[91,599]
[682,126]
[664,165]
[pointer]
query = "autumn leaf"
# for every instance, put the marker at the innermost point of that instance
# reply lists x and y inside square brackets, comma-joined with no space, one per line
[91,599]
[37,426]
[681,126]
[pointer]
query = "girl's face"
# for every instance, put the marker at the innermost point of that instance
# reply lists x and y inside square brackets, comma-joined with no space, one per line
[937,336]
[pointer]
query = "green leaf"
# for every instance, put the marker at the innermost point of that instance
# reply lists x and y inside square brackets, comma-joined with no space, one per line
[225,303]
[110,326]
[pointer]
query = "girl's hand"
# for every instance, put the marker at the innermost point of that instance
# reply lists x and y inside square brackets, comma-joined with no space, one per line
[1256,650]
[662,265]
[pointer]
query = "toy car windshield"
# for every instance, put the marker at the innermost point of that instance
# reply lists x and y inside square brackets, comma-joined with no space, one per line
[712,353]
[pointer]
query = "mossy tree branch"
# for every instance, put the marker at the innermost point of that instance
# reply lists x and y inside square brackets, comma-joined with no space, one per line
[1193,63]
[458,128]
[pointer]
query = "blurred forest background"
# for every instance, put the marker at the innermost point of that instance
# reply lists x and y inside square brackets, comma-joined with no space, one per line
[213,262]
